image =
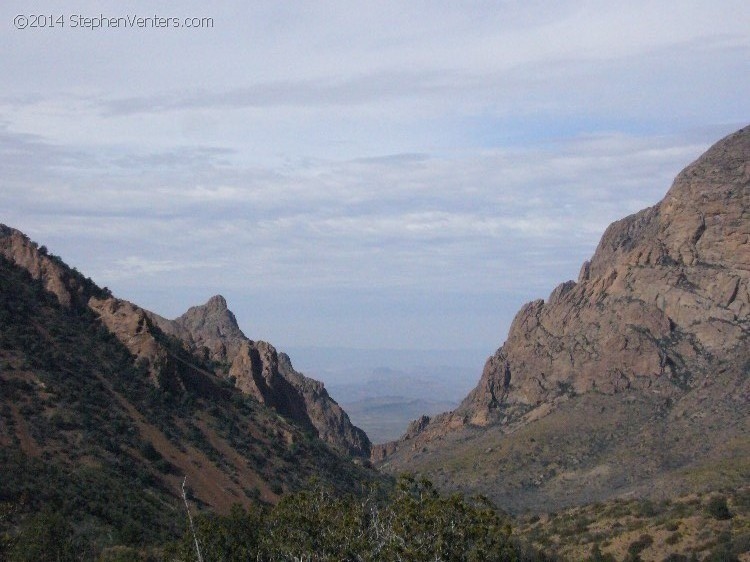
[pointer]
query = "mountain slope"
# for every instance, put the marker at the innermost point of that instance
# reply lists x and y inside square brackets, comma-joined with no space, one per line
[211,331]
[633,379]
[103,414]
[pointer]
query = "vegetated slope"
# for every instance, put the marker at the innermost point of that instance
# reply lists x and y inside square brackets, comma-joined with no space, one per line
[409,522]
[104,435]
[634,380]
[693,527]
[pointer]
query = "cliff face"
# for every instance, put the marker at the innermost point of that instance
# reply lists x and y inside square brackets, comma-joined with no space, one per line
[661,310]
[69,288]
[211,331]
[666,294]
[208,333]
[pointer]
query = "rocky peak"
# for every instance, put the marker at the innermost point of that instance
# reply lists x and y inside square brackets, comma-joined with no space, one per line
[666,287]
[217,302]
[211,331]
[661,307]
[213,327]
[703,219]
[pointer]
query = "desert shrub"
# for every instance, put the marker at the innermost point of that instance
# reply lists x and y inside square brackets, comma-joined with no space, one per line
[674,557]
[742,499]
[45,537]
[646,508]
[638,546]
[597,555]
[674,538]
[741,543]
[717,508]
[413,522]
[721,553]
[149,452]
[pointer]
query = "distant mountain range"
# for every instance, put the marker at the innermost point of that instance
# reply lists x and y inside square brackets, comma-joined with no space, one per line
[385,403]
[634,380]
[382,390]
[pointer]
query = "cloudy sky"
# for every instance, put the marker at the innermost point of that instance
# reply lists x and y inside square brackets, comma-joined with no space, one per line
[355,174]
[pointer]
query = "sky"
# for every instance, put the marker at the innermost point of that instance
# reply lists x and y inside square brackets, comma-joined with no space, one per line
[371,175]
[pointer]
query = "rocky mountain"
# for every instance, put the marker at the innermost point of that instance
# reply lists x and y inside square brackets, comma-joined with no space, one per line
[257,369]
[209,332]
[632,380]
[105,407]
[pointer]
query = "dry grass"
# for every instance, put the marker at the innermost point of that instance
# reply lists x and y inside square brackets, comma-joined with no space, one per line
[683,526]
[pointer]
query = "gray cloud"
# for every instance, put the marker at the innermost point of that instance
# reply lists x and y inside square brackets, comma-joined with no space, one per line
[357,90]
[374,167]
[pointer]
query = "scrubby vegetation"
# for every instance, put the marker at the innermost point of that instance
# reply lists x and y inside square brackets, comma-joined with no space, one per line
[410,522]
[696,527]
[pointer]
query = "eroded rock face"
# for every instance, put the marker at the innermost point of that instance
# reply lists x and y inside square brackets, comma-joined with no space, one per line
[662,304]
[132,326]
[18,249]
[666,288]
[211,331]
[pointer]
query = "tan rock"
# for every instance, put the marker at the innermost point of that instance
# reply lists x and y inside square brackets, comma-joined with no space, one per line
[660,307]
[132,326]
[18,249]
[260,371]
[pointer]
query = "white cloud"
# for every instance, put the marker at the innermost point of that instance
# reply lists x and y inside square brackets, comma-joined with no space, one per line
[410,150]
[142,268]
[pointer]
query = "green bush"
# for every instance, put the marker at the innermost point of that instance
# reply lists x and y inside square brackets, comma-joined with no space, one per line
[46,537]
[597,555]
[412,522]
[717,508]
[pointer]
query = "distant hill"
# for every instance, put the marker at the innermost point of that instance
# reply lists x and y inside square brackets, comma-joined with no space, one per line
[106,407]
[632,381]
[385,417]
[383,389]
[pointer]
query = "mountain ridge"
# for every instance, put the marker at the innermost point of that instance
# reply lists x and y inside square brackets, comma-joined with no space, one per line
[209,331]
[658,316]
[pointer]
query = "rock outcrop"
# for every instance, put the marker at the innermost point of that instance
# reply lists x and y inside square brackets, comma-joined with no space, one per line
[666,294]
[132,326]
[69,287]
[207,332]
[211,331]
[661,309]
